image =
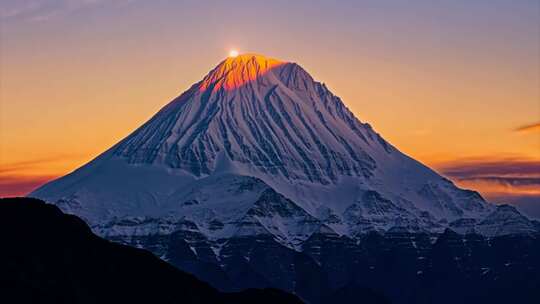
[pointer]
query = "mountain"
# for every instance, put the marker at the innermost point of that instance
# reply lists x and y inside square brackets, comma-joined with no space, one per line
[237,177]
[256,125]
[50,257]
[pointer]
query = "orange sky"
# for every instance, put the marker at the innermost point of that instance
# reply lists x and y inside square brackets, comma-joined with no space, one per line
[444,83]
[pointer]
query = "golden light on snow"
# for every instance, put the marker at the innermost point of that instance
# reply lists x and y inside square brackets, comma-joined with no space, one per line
[238,70]
[233,53]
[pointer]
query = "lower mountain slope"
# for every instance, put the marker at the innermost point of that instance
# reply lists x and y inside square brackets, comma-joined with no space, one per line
[50,257]
[406,267]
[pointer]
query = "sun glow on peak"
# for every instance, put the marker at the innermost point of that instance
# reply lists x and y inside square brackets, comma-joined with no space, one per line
[238,70]
[233,53]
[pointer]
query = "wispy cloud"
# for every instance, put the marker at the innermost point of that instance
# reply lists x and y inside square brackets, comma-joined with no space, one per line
[19,178]
[504,177]
[17,9]
[535,127]
[34,164]
[36,11]
[501,180]
[513,181]
[490,167]
[15,185]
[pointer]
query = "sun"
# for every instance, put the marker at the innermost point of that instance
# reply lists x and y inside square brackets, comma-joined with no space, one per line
[233,53]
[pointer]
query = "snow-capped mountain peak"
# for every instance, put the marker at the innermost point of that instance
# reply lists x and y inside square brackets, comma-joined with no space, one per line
[266,117]
[259,147]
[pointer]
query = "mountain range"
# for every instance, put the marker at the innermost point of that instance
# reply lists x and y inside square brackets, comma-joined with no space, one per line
[259,176]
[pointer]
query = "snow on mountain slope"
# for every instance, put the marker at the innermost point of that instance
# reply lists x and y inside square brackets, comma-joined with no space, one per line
[259,147]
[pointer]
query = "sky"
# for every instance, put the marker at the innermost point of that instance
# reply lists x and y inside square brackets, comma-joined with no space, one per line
[452,83]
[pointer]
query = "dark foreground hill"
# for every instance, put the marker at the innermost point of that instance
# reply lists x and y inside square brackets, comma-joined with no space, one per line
[50,257]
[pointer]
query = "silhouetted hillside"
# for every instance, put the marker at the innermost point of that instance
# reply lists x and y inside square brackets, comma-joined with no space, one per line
[51,257]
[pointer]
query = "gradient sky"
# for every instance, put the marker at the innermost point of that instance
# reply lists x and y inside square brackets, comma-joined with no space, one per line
[455,83]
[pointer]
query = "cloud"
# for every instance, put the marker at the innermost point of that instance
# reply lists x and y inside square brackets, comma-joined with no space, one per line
[13,10]
[490,167]
[37,11]
[500,180]
[517,181]
[20,178]
[508,176]
[21,185]
[18,167]
[532,128]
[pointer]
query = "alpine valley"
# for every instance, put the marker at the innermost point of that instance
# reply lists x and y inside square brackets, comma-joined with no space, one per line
[258,176]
